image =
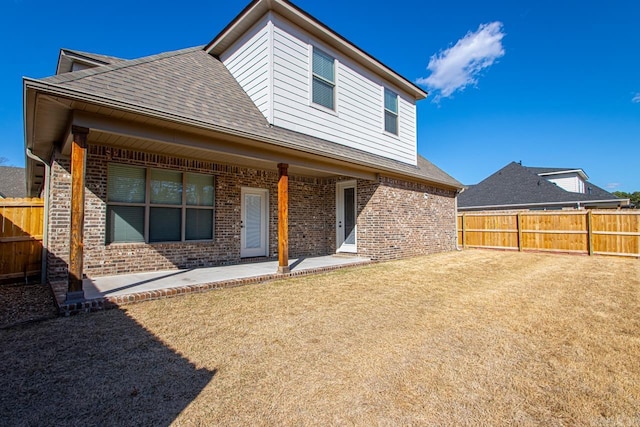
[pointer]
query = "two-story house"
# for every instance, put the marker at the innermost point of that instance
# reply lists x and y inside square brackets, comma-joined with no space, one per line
[278,138]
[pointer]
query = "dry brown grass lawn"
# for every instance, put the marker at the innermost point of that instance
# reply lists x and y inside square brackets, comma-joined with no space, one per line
[471,338]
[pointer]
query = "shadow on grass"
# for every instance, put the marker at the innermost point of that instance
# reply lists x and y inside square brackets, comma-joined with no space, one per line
[98,369]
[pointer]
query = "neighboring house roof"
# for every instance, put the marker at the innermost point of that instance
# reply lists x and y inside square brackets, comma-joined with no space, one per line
[516,186]
[192,87]
[12,182]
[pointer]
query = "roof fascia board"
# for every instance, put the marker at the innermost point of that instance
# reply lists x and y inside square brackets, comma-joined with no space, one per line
[254,11]
[578,171]
[76,57]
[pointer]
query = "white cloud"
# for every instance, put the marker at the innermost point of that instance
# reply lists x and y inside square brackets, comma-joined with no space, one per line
[636,98]
[459,66]
[612,185]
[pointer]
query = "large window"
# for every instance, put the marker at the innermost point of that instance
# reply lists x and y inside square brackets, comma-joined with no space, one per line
[324,82]
[157,205]
[390,112]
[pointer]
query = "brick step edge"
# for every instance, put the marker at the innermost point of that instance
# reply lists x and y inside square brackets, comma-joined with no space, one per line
[106,303]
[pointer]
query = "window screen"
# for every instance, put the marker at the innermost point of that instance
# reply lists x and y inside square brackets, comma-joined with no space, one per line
[323,79]
[165,214]
[390,112]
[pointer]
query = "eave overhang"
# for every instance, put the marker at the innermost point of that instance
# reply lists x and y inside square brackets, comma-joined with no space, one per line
[57,124]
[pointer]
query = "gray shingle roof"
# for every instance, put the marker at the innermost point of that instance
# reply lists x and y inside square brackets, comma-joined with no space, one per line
[12,182]
[518,185]
[193,85]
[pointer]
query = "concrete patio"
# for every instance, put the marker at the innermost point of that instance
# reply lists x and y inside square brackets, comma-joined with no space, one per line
[122,289]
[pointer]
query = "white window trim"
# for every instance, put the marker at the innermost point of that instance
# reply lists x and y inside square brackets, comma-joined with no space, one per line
[384,109]
[336,67]
[147,205]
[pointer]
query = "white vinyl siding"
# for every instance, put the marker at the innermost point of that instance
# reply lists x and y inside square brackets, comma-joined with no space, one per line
[248,62]
[282,90]
[569,182]
[356,120]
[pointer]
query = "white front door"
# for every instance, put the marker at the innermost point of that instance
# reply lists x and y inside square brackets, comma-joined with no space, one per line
[254,225]
[346,215]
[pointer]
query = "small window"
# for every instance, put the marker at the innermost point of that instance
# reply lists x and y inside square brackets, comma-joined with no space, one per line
[324,82]
[163,205]
[390,112]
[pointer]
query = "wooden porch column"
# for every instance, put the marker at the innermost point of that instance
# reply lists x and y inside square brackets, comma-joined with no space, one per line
[76,244]
[283,218]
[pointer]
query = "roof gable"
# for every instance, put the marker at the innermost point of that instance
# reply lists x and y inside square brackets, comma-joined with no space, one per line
[287,10]
[557,171]
[68,57]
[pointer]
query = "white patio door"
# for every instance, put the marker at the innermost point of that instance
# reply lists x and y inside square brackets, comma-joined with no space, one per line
[346,215]
[254,225]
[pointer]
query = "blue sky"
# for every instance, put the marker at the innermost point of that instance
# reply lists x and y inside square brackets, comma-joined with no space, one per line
[550,83]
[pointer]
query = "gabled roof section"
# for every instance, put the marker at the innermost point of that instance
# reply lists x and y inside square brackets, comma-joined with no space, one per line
[68,57]
[258,8]
[194,88]
[12,182]
[556,171]
[517,186]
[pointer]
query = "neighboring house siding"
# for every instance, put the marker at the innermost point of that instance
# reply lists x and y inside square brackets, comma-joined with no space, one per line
[248,62]
[569,182]
[358,119]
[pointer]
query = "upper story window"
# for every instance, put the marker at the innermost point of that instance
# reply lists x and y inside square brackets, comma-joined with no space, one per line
[390,112]
[157,205]
[324,81]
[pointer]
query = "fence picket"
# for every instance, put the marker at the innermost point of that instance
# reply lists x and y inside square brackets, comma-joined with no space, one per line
[21,237]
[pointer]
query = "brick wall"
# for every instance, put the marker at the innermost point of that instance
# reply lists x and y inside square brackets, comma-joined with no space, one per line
[395,219]
[399,219]
[307,217]
[59,221]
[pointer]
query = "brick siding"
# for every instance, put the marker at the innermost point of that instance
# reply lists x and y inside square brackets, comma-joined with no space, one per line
[395,218]
[398,219]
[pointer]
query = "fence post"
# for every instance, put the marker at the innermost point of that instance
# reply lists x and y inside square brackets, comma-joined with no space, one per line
[464,234]
[589,232]
[519,228]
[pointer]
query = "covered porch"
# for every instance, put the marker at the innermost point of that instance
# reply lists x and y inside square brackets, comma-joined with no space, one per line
[297,216]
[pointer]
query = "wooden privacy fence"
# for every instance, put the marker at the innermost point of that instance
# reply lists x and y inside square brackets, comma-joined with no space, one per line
[585,232]
[21,223]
